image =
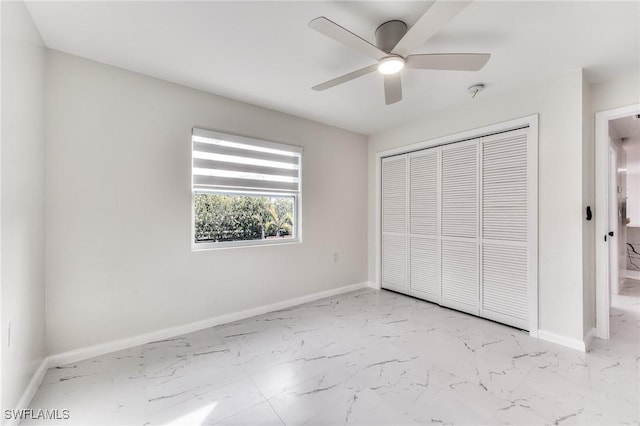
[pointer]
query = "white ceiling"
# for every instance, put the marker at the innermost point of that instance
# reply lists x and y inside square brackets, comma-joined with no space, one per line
[626,127]
[263,52]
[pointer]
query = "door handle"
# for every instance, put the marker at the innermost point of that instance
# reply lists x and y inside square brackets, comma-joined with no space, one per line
[610,233]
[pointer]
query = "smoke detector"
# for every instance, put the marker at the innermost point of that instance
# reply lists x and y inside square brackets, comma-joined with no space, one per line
[475,89]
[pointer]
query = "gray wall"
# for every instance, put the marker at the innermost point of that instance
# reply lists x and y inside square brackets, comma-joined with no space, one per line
[22,191]
[119,259]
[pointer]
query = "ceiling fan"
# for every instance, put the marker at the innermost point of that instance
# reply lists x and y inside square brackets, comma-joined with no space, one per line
[394,44]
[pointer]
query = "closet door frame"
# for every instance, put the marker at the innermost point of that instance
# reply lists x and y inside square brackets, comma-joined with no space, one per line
[531,122]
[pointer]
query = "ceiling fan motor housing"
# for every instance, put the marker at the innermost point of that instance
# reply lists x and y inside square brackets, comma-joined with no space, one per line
[389,34]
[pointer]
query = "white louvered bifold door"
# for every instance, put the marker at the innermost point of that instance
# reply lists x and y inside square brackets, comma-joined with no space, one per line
[394,223]
[504,215]
[459,226]
[424,239]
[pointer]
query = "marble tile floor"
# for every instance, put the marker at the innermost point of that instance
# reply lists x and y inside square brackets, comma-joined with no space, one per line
[363,358]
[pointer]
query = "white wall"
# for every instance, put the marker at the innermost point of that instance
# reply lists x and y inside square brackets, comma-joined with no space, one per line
[22,191]
[619,92]
[588,199]
[559,103]
[119,261]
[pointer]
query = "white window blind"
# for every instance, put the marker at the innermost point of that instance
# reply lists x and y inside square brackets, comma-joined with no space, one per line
[230,163]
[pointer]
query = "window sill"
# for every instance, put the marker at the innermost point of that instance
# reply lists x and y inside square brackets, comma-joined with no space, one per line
[243,244]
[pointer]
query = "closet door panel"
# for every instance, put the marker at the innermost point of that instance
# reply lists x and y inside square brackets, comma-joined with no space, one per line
[460,275]
[424,246]
[394,223]
[505,217]
[460,190]
[425,268]
[504,284]
[423,183]
[394,194]
[394,262]
[459,225]
[504,187]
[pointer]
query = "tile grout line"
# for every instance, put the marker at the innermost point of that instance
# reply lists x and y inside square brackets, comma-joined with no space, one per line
[266,400]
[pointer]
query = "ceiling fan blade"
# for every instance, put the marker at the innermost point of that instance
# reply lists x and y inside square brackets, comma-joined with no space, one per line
[392,88]
[448,61]
[430,23]
[346,37]
[344,78]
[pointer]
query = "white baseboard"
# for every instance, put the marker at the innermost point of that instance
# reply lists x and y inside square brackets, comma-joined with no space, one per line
[80,354]
[576,344]
[373,285]
[30,391]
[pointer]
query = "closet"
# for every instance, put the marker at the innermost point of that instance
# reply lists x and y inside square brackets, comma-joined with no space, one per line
[456,224]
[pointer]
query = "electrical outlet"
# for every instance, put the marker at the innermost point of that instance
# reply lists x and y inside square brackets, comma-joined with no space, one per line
[336,257]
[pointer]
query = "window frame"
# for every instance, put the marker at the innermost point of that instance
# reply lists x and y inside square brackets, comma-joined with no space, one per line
[297,203]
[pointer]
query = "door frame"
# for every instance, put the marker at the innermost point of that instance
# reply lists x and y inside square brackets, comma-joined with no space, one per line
[532,180]
[602,212]
[614,256]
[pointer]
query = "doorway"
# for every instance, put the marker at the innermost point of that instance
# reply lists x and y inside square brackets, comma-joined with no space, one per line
[616,131]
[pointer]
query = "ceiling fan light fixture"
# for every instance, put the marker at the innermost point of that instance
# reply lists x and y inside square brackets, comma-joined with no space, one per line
[394,43]
[390,65]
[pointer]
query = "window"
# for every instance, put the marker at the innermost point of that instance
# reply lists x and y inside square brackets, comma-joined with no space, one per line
[244,191]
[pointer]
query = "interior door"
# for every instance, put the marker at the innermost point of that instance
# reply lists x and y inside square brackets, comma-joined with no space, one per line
[613,222]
